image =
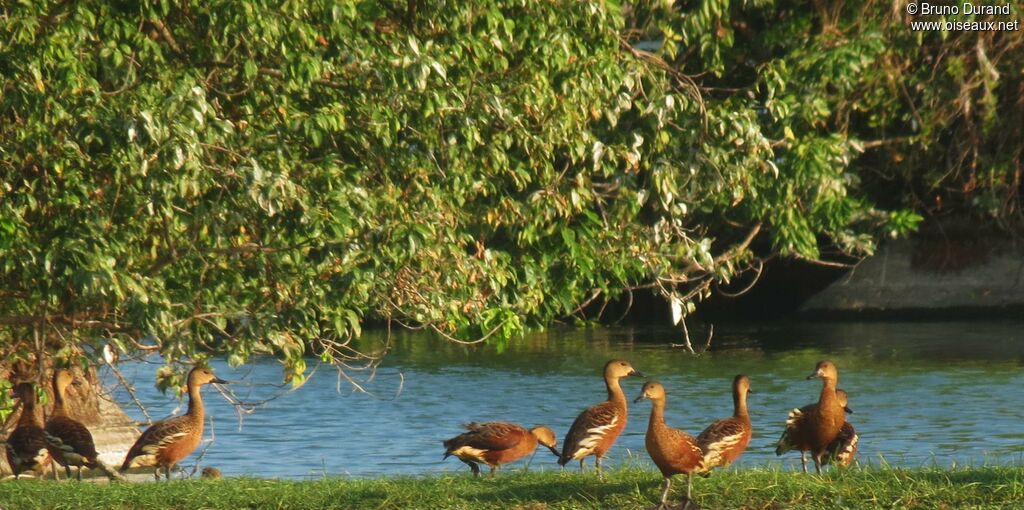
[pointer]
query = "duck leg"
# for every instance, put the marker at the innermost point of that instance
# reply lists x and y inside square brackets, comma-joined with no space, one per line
[664,493]
[803,460]
[817,463]
[493,470]
[597,462]
[473,467]
[156,473]
[581,464]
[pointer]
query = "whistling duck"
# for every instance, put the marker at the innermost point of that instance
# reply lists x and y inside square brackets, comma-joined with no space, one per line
[166,442]
[813,427]
[725,440]
[497,443]
[71,443]
[672,450]
[596,429]
[27,449]
[842,451]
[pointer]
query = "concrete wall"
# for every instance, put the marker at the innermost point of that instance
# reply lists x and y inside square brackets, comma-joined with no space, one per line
[901,277]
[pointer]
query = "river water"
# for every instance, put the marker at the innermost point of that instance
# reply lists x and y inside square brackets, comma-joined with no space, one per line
[923,394]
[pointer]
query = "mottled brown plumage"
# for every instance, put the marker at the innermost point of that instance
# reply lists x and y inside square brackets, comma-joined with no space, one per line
[843,449]
[167,442]
[672,450]
[813,427]
[497,443]
[596,428]
[725,440]
[27,449]
[71,442]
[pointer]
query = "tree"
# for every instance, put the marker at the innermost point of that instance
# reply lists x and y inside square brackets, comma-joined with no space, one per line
[931,119]
[233,178]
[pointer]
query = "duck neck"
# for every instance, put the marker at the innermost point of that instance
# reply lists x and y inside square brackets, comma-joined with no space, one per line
[29,416]
[58,400]
[739,405]
[657,414]
[828,392]
[615,393]
[195,401]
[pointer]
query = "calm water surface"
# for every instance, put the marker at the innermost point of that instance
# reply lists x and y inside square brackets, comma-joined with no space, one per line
[922,394]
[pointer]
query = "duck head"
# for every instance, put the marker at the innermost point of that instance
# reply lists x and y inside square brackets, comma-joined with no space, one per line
[619,368]
[203,375]
[741,385]
[652,390]
[825,370]
[844,400]
[546,437]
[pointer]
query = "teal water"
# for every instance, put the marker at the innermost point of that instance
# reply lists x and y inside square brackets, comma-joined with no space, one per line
[923,394]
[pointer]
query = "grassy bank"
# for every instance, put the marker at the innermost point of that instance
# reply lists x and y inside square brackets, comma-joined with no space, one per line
[988,487]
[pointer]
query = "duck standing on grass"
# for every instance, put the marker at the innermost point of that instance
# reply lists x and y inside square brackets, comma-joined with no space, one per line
[497,443]
[71,443]
[674,452]
[27,448]
[725,440]
[596,428]
[167,442]
[813,427]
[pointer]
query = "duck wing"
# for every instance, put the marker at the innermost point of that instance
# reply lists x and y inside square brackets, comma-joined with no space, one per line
[720,437]
[487,436]
[587,431]
[794,422]
[71,438]
[157,437]
[843,449]
[27,449]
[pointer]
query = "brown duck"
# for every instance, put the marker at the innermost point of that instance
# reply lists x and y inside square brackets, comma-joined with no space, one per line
[813,427]
[725,440]
[27,448]
[842,451]
[596,428]
[71,442]
[672,450]
[167,442]
[497,443]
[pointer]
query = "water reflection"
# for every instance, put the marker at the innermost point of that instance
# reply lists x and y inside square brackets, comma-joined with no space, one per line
[923,393]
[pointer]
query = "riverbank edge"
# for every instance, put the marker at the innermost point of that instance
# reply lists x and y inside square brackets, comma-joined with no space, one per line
[756,488]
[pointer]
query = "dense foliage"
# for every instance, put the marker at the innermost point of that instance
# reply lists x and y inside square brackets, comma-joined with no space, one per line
[241,177]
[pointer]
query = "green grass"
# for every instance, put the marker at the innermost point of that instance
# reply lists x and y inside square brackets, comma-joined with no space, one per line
[960,488]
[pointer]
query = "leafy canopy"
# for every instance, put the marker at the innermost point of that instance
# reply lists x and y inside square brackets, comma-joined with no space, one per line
[191,178]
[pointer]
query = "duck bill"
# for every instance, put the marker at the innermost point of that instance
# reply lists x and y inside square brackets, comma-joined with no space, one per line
[554,451]
[847,409]
[638,399]
[814,375]
[636,373]
[218,380]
